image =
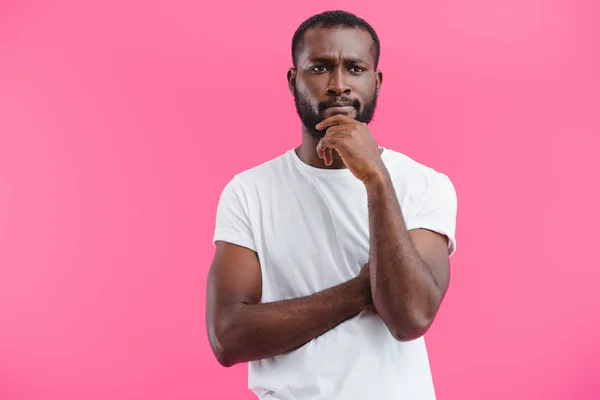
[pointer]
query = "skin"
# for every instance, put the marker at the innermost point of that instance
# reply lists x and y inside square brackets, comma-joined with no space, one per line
[408,272]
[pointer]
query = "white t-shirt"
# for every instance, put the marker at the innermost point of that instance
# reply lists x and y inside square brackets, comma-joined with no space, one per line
[309,227]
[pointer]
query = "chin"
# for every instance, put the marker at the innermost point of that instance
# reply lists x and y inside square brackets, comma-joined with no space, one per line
[317,134]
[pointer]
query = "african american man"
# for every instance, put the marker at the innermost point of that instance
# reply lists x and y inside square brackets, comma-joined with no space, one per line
[332,259]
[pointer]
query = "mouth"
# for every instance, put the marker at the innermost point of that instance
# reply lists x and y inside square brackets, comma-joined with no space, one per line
[339,109]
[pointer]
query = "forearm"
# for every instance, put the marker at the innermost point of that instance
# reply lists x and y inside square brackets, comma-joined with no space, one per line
[404,291]
[251,332]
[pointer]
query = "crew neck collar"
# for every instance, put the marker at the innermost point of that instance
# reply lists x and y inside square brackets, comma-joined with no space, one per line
[341,173]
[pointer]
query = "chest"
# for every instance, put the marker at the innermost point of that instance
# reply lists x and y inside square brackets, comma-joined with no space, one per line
[312,237]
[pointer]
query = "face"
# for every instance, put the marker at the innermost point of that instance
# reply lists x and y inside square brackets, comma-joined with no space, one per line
[335,75]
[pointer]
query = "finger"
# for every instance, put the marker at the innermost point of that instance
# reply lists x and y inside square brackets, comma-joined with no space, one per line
[337,119]
[337,131]
[322,145]
[328,156]
[324,148]
[321,149]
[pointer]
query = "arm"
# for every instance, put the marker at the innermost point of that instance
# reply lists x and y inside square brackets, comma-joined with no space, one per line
[409,270]
[241,329]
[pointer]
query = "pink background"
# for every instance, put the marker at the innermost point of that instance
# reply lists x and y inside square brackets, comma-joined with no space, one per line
[121,121]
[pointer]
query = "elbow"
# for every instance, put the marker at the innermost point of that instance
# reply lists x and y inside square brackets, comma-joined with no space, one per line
[224,356]
[222,347]
[405,324]
[225,360]
[406,331]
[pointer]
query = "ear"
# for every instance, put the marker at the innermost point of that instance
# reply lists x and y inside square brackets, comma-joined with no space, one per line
[291,77]
[379,78]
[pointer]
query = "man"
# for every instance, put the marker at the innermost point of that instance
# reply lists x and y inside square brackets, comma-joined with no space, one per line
[332,259]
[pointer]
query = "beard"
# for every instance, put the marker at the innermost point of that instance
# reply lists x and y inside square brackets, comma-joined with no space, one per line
[311,117]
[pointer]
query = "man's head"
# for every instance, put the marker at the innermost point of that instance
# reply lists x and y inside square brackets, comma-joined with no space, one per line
[335,56]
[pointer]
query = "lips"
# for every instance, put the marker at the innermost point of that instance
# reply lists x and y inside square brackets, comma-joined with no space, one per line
[338,109]
[339,105]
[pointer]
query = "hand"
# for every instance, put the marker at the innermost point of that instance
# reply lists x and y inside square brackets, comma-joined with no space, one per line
[354,143]
[366,275]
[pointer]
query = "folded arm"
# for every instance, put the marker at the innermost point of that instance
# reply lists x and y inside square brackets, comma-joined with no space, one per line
[409,270]
[241,329]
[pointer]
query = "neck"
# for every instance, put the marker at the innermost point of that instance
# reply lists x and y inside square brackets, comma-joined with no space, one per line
[307,152]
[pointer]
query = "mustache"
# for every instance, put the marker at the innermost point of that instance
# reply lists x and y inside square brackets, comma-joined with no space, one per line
[344,101]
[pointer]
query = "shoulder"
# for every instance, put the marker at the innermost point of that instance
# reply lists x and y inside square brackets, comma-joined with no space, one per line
[258,174]
[419,177]
[428,196]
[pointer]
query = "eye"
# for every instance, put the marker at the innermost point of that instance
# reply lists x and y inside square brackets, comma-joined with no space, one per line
[357,69]
[318,68]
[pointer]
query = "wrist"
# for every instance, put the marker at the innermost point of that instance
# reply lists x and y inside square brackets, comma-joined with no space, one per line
[362,292]
[377,180]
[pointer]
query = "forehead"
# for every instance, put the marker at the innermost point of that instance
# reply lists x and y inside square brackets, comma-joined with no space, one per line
[337,42]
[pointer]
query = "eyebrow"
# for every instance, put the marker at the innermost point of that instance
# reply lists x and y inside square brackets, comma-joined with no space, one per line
[347,60]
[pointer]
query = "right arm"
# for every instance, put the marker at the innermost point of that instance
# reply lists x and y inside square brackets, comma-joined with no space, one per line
[241,329]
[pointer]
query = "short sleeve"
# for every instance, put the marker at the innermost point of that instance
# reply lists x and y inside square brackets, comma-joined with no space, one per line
[438,210]
[233,216]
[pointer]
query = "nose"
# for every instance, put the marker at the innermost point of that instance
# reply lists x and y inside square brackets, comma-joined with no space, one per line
[337,84]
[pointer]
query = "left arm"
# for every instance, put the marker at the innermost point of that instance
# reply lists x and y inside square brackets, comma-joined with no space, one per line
[409,271]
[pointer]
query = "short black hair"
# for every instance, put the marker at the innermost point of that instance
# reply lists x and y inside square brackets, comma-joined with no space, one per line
[330,19]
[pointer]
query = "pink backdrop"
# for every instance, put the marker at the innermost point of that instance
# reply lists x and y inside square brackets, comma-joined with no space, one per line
[117,136]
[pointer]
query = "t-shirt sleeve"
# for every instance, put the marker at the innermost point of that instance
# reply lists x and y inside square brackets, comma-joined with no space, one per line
[233,223]
[438,210]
